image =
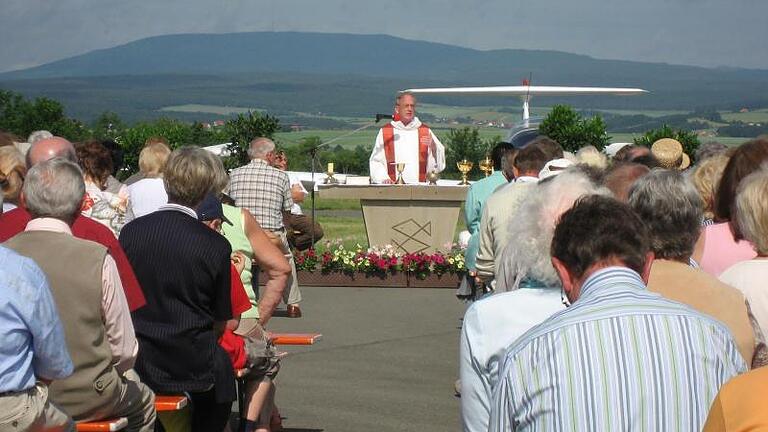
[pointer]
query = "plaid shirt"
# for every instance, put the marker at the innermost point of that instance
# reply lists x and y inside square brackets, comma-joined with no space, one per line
[264,191]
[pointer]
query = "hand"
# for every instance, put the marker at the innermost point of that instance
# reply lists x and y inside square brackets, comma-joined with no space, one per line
[388,181]
[238,259]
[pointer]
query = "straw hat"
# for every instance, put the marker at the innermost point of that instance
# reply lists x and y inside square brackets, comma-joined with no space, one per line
[669,153]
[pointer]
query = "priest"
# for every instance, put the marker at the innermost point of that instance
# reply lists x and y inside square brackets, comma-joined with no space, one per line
[405,140]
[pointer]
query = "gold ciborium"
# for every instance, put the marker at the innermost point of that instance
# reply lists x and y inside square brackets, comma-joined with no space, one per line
[400,167]
[433,177]
[464,167]
[486,166]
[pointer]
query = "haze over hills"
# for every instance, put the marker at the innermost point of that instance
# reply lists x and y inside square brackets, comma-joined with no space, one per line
[346,74]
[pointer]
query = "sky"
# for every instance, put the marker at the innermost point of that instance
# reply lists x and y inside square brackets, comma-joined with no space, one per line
[695,32]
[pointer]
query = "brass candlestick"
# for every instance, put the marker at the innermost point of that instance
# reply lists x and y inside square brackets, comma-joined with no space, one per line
[464,167]
[400,168]
[486,166]
[330,179]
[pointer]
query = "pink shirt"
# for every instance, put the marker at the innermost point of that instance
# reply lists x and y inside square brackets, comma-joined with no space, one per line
[114,306]
[721,250]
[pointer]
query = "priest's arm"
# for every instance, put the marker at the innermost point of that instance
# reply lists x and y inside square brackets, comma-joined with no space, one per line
[378,161]
[436,159]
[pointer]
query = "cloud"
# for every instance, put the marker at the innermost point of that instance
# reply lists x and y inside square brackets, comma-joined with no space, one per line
[702,32]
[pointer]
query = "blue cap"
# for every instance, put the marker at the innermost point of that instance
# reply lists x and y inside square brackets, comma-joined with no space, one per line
[210,209]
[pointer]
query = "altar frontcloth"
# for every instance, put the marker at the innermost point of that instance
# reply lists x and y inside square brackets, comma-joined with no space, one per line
[412,218]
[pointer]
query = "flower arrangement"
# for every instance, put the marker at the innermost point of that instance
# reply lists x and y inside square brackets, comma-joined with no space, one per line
[380,261]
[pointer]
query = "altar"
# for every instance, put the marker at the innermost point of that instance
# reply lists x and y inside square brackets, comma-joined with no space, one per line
[412,218]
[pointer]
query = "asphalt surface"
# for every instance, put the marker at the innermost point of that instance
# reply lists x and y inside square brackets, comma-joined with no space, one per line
[387,361]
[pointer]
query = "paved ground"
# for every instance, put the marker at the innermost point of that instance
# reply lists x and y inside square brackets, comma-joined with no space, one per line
[387,361]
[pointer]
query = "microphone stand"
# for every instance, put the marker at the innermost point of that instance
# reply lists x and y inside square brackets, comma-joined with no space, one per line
[313,156]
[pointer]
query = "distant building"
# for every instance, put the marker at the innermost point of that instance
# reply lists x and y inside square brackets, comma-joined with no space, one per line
[296,128]
[744,110]
[218,123]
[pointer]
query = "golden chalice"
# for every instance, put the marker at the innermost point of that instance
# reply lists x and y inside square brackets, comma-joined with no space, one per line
[400,168]
[486,166]
[464,167]
[433,177]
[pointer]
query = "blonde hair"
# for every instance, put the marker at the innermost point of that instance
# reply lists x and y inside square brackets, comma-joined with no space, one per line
[591,156]
[751,218]
[706,177]
[152,159]
[13,169]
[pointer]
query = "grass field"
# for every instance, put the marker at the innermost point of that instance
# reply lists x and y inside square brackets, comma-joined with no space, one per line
[756,116]
[212,109]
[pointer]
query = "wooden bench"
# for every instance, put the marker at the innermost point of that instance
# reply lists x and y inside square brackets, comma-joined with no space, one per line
[103,425]
[295,338]
[170,403]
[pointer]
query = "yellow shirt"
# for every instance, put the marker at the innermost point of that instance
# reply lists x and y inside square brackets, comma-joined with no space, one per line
[740,405]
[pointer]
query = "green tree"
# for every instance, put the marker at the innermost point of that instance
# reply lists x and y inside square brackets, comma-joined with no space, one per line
[21,117]
[688,139]
[108,125]
[242,130]
[572,131]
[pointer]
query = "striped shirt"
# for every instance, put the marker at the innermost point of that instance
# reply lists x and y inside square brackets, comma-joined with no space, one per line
[262,190]
[620,358]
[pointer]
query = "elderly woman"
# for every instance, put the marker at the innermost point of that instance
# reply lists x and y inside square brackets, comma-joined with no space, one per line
[99,204]
[671,208]
[751,223]
[12,173]
[148,194]
[718,248]
[493,323]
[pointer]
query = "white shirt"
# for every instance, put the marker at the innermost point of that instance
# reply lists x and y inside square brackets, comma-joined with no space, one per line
[147,195]
[750,278]
[294,179]
[490,326]
[406,141]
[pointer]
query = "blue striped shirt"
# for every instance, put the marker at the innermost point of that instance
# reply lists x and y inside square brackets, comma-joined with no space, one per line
[620,358]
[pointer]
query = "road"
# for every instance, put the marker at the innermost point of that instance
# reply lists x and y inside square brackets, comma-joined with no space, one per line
[387,361]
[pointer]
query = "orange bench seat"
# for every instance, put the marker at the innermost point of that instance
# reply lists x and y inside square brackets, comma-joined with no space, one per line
[170,403]
[295,338]
[103,425]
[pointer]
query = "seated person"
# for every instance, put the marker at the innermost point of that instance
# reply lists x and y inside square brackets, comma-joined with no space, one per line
[184,268]
[97,324]
[300,229]
[34,352]
[250,352]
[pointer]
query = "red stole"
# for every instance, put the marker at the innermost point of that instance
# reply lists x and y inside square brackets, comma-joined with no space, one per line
[425,140]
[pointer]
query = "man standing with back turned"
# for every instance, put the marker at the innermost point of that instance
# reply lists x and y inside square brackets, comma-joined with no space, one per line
[405,140]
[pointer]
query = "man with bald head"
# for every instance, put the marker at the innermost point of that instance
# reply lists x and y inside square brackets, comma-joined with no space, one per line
[16,220]
[49,148]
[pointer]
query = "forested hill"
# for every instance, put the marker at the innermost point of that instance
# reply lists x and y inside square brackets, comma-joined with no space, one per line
[242,59]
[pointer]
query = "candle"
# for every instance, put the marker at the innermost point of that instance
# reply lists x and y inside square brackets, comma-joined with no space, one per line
[330,167]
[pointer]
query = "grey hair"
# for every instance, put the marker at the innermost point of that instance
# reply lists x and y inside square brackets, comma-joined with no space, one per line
[260,147]
[667,202]
[402,94]
[38,135]
[751,212]
[591,156]
[528,253]
[54,189]
[189,175]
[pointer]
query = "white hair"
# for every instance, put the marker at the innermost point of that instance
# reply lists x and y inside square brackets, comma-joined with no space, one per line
[55,189]
[260,147]
[527,255]
[38,135]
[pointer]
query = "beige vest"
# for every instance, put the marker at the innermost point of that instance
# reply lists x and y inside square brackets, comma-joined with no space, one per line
[679,282]
[73,268]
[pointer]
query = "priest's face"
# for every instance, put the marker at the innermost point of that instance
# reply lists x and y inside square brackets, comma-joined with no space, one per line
[406,108]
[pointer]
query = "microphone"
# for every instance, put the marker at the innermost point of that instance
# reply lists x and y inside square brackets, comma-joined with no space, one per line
[380,117]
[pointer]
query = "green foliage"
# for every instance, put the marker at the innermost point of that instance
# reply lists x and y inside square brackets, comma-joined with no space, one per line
[465,143]
[176,132]
[346,161]
[242,130]
[108,126]
[572,131]
[688,139]
[21,117]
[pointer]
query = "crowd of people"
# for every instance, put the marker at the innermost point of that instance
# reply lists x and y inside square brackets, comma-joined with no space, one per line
[158,291]
[617,290]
